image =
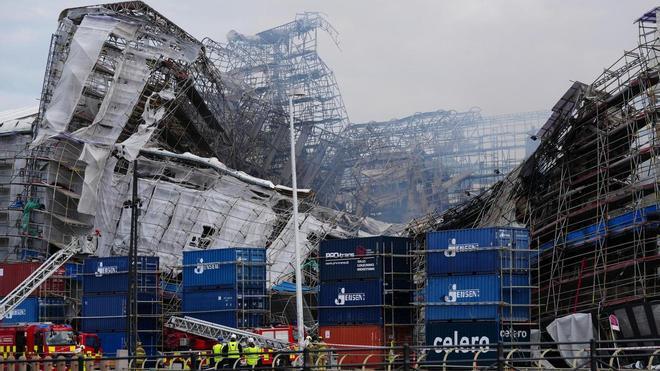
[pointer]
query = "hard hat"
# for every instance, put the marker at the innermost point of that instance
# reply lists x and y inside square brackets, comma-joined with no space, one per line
[220,338]
[308,338]
[233,336]
[250,340]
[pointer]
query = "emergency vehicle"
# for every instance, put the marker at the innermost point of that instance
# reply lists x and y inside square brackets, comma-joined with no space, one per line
[188,333]
[45,339]
[283,333]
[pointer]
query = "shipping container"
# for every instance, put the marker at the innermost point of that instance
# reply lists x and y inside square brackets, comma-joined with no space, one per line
[53,310]
[237,319]
[226,306]
[471,297]
[13,274]
[110,275]
[108,312]
[364,258]
[351,302]
[227,298]
[471,337]
[115,340]
[363,335]
[481,250]
[214,300]
[244,266]
[26,311]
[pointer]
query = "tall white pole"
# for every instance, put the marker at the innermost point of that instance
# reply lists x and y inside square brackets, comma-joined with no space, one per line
[294,185]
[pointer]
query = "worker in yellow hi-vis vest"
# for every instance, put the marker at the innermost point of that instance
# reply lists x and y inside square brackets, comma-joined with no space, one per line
[139,352]
[231,352]
[217,352]
[252,354]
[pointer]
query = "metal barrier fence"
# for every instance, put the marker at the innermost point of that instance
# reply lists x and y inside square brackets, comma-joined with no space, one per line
[594,355]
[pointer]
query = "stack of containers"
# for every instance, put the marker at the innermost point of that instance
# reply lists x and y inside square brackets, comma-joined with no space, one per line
[105,301]
[365,292]
[226,286]
[45,304]
[477,290]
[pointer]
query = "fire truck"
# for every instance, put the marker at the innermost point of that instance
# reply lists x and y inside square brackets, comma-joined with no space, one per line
[187,333]
[45,339]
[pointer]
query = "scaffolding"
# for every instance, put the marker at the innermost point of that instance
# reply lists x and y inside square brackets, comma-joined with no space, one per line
[401,169]
[589,193]
[274,63]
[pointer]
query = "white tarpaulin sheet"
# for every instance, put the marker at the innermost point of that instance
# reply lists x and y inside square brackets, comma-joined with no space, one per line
[576,328]
[86,45]
[177,210]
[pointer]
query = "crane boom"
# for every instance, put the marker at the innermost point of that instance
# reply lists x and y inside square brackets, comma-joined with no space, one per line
[39,276]
[213,331]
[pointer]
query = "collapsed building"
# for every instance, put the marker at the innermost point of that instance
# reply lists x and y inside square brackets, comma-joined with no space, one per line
[589,196]
[123,84]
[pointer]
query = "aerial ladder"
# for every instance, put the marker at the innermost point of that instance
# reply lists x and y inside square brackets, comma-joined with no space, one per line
[213,331]
[47,269]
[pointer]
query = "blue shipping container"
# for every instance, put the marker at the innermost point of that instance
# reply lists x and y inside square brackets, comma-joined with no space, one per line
[27,311]
[477,250]
[478,297]
[108,312]
[223,299]
[351,302]
[213,300]
[244,266]
[106,275]
[363,258]
[226,306]
[471,337]
[112,341]
[52,310]
[235,319]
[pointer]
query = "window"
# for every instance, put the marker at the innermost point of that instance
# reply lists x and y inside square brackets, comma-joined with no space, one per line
[60,338]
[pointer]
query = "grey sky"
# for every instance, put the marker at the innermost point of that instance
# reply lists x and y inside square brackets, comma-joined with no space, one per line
[396,57]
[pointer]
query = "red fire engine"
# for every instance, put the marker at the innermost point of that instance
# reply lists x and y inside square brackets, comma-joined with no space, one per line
[45,339]
[180,341]
[284,333]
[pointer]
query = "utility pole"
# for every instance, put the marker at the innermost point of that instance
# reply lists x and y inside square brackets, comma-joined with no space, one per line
[300,319]
[132,299]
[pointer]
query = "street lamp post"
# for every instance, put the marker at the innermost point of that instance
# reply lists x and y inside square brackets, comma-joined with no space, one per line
[294,185]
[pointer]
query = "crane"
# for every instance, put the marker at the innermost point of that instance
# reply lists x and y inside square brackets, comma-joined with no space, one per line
[85,244]
[213,331]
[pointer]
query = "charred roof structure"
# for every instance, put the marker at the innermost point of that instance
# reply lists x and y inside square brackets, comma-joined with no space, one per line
[589,196]
[401,169]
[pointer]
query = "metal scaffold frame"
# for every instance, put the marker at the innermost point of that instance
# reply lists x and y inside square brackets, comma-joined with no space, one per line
[588,194]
